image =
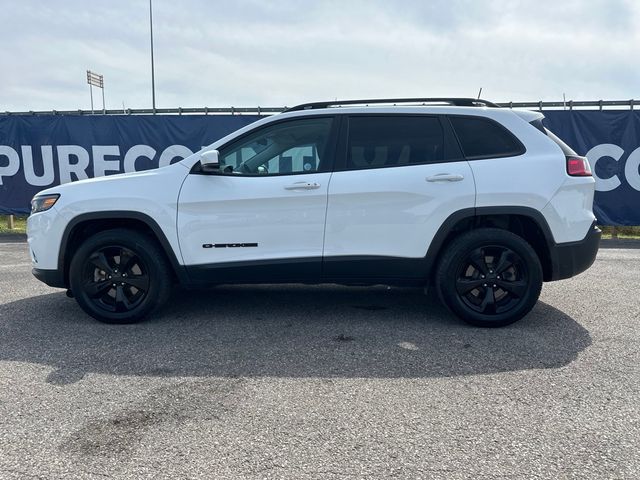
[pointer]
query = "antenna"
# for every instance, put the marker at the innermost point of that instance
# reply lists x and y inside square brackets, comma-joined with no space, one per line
[480,93]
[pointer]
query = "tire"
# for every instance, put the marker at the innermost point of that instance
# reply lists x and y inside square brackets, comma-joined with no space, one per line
[489,277]
[120,276]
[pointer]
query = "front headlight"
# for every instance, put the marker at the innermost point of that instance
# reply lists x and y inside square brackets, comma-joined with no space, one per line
[41,203]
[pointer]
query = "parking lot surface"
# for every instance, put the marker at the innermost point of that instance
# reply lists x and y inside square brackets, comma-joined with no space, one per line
[322,382]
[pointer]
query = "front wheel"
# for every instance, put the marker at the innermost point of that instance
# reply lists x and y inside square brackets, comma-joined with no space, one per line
[489,277]
[119,276]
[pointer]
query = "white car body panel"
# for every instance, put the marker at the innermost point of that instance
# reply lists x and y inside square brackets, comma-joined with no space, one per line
[234,209]
[393,212]
[153,193]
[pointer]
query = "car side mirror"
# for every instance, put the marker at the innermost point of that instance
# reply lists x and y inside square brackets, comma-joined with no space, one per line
[210,161]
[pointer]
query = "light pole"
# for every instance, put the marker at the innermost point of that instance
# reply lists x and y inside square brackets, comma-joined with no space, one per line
[95,80]
[153,79]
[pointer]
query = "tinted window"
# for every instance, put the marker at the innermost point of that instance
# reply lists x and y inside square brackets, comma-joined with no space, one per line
[389,141]
[297,146]
[480,138]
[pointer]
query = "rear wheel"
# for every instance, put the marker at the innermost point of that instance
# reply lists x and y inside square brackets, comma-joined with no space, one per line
[119,276]
[489,277]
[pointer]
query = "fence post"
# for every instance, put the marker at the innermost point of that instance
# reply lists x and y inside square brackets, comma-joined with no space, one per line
[10,223]
[614,232]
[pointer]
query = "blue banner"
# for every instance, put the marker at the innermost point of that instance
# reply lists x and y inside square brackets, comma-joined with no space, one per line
[37,152]
[610,139]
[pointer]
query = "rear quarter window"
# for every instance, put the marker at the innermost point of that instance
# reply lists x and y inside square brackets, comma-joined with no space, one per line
[484,138]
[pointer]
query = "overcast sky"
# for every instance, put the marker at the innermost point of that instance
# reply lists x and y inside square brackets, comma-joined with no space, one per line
[274,53]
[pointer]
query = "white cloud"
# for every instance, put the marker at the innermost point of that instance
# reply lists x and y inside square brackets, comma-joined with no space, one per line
[275,53]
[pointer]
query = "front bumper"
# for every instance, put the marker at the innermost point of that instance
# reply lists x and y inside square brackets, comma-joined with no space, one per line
[570,259]
[53,278]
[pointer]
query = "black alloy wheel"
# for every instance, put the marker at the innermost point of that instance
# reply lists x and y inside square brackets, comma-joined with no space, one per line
[116,279]
[493,279]
[120,276]
[489,277]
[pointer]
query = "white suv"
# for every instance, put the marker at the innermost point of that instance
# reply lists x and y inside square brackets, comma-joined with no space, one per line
[483,202]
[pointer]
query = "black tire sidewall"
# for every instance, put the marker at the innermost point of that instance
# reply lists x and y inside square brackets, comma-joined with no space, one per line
[457,254]
[142,246]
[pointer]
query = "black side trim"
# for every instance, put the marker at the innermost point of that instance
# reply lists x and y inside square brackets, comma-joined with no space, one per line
[53,278]
[570,259]
[119,215]
[371,266]
[288,270]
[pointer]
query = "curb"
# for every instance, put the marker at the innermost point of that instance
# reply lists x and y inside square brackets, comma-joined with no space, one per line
[13,237]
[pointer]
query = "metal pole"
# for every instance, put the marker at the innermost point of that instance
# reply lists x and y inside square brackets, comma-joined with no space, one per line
[153,79]
[104,110]
[91,92]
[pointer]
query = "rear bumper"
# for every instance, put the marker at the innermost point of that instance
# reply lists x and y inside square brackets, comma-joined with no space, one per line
[570,259]
[53,278]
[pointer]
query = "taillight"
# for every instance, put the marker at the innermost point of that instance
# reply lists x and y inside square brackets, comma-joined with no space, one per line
[578,166]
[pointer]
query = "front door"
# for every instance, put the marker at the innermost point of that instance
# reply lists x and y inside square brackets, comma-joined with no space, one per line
[262,216]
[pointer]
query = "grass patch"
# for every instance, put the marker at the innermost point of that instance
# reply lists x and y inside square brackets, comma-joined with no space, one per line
[623,232]
[19,224]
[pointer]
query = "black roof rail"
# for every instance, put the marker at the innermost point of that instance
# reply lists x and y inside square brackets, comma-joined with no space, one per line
[457,102]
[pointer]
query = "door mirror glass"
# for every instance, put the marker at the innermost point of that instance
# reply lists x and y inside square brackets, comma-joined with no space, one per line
[210,160]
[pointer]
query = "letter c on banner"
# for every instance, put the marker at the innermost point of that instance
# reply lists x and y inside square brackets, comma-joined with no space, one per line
[11,168]
[594,155]
[631,169]
[134,153]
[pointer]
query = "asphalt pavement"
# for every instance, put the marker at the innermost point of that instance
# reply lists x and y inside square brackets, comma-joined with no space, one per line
[323,382]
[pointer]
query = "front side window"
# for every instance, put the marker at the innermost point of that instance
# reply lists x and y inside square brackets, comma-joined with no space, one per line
[484,138]
[393,140]
[296,146]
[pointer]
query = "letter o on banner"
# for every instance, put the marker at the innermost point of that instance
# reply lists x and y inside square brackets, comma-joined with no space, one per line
[601,151]
[632,169]
[172,152]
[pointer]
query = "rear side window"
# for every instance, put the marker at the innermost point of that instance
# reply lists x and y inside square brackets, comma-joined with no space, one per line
[484,138]
[392,140]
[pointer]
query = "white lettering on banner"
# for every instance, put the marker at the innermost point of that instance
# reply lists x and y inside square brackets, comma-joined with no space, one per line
[79,168]
[172,152]
[74,160]
[136,152]
[100,164]
[13,165]
[48,175]
[632,169]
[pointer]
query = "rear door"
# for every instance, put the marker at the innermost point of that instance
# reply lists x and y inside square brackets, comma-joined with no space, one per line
[397,179]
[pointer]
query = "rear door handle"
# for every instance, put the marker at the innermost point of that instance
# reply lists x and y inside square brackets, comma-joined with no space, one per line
[445,177]
[303,186]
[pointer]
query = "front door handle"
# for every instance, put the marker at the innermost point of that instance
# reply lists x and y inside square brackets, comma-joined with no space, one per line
[445,177]
[303,186]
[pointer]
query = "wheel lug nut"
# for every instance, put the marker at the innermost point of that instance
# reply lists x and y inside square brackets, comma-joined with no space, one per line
[484,285]
[494,285]
[481,276]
